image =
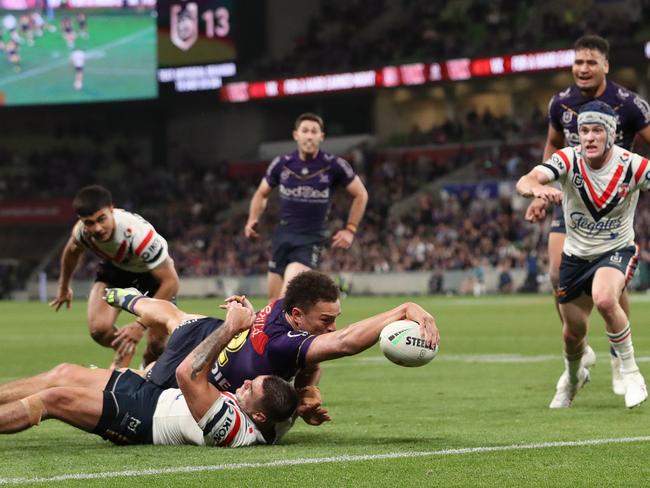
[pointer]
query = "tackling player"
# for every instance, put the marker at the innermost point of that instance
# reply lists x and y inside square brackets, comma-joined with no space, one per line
[590,69]
[306,180]
[124,408]
[132,253]
[600,190]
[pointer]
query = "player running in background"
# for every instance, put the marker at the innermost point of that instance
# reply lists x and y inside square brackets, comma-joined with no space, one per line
[600,190]
[78,59]
[306,180]
[590,69]
[13,54]
[68,32]
[82,25]
[26,29]
[124,408]
[132,253]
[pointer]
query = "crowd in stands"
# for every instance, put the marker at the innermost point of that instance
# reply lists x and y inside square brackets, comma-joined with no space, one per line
[355,34]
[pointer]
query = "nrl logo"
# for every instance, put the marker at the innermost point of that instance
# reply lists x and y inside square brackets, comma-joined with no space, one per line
[578,181]
[184,25]
[567,116]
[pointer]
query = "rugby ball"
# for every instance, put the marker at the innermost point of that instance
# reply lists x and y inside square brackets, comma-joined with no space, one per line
[401,343]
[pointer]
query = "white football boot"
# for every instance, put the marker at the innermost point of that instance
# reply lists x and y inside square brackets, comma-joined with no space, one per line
[635,390]
[618,386]
[588,359]
[565,390]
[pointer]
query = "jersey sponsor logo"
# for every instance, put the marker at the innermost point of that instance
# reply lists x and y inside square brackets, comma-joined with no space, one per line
[622,93]
[304,192]
[580,221]
[235,344]
[557,160]
[572,138]
[152,251]
[221,433]
[258,337]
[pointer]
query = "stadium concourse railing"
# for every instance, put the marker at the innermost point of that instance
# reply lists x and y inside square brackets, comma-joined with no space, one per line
[392,283]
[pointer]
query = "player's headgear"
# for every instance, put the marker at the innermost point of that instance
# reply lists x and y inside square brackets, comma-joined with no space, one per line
[597,112]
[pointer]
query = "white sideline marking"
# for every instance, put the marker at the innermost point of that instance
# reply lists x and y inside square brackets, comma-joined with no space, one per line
[478,358]
[331,459]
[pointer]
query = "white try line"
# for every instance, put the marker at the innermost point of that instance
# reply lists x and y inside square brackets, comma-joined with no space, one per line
[330,459]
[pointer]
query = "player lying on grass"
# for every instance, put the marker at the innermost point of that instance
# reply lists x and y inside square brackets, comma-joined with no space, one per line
[126,409]
[600,191]
[289,338]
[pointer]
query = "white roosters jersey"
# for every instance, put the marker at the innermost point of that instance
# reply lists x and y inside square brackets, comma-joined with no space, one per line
[224,424]
[598,204]
[135,245]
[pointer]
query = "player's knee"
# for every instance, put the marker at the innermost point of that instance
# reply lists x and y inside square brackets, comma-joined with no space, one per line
[61,372]
[606,303]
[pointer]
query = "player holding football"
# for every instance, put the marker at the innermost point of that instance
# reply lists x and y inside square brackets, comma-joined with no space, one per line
[133,254]
[289,338]
[590,69]
[306,180]
[600,184]
[124,408]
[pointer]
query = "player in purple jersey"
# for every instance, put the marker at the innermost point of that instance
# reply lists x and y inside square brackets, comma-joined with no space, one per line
[590,69]
[306,180]
[124,408]
[289,338]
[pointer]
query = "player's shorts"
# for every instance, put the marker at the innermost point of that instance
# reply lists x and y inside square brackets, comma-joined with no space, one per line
[79,69]
[294,248]
[182,342]
[557,223]
[577,275]
[118,278]
[127,412]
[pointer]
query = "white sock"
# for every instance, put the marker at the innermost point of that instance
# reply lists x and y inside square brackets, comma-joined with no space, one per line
[621,342]
[572,363]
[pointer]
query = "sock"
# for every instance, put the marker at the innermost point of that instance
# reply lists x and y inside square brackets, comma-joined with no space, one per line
[125,300]
[572,362]
[621,343]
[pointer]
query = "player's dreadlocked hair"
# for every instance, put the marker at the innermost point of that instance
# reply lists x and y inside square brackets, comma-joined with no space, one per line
[309,288]
[593,42]
[280,399]
[90,199]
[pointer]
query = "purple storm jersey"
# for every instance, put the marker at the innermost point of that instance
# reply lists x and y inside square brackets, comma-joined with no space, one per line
[271,346]
[306,189]
[632,110]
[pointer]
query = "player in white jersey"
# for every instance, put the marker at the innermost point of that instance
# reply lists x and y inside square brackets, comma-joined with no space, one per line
[78,60]
[600,183]
[126,409]
[132,253]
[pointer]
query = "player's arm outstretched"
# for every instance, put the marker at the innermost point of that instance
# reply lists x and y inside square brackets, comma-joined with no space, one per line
[361,335]
[534,184]
[344,237]
[192,373]
[257,206]
[69,261]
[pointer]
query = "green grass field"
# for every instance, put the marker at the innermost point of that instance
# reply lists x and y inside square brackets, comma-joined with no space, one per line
[476,416]
[120,62]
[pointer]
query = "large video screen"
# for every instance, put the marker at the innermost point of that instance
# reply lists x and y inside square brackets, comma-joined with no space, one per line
[72,51]
[196,47]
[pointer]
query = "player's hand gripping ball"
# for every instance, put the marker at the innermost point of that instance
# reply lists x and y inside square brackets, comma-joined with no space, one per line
[401,343]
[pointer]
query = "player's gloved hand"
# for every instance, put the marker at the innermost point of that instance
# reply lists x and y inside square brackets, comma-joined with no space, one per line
[428,328]
[309,406]
[250,230]
[536,211]
[64,295]
[127,338]
[343,239]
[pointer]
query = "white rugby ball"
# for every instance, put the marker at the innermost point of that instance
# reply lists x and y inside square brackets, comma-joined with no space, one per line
[401,343]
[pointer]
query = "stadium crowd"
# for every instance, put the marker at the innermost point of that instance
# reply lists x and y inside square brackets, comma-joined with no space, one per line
[351,35]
